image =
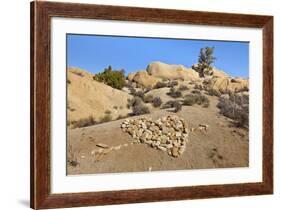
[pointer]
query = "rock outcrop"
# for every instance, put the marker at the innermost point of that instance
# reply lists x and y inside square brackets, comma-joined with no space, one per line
[168,134]
[144,79]
[226,84]
[131,76]
[216,73]
[171,72]
[89,98]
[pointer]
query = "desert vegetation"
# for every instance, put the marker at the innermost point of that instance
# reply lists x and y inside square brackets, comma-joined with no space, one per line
[113,78]
[174,93]
[236,107]
[205,103]
[173,104]
[198,99]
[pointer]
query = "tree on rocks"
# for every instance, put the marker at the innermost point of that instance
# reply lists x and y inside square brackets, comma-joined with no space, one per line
[205,60]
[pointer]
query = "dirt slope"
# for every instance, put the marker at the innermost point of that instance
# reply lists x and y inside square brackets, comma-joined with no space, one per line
[222,145]
[87,97]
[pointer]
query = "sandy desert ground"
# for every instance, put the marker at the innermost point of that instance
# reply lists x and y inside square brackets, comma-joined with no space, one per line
[221,145]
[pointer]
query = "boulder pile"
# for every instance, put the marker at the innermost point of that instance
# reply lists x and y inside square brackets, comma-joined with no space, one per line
[168,134]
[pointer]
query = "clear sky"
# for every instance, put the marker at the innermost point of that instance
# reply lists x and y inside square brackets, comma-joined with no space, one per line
[94,53]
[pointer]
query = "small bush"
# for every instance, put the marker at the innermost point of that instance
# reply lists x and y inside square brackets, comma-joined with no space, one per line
[148,98]
[134,102]
[140,109]
[183,88]
[208,82]
[192,99]
[156,102]
[160,85]
[174,93]
[139,94]
[68,82]
[236,108]
[84,122]
[137,106]
[106,118]
[115,79]
[198,87]
[189,100]
[132,90]
[213,92]
[173,104]
[196,92]
[107,112]
[173,83]
[115,107]
[177,106]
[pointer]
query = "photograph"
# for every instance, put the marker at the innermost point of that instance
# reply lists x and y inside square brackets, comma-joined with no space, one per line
[144,104]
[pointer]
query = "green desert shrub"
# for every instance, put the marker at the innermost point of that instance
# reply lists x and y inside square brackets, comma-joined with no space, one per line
[113,78]
[106,118]
[160,85]
[196,92]
[173,83]
[236,108]
[173,104]
[213,92]
[134,102]
[139,94]
[148,98]
[174,93]
[107,112]
[192,99]
[140,109]
[183,88]
[156,102]
[198,87]
[84,122]
[137,106]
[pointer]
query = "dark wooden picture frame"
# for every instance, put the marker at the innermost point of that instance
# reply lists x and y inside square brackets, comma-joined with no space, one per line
[41,14]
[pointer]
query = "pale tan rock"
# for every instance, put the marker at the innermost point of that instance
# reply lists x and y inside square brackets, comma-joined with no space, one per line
[171,72]
[89,98]
[145,80]
[131,76]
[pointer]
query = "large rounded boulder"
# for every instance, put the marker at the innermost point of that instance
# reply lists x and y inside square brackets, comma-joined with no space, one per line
[226,84]
[144,79]
[171,72]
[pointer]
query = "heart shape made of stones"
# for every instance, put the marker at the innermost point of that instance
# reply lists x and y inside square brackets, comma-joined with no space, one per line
[168,134]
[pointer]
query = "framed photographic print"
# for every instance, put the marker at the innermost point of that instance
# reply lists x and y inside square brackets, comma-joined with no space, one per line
[140,105]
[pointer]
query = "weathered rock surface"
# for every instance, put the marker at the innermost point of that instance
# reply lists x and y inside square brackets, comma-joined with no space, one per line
[89,98]
[171,72]
[226,84]
[168,134]
[144,79]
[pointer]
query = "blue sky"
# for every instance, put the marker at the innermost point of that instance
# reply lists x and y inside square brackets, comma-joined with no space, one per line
[94,53]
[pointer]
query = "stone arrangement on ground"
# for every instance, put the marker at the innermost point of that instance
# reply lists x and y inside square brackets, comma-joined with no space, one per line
[168,134]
